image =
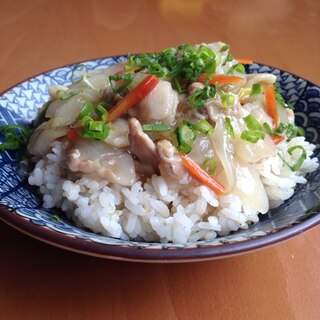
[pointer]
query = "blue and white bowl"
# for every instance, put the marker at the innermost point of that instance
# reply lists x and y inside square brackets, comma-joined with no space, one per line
[21,207]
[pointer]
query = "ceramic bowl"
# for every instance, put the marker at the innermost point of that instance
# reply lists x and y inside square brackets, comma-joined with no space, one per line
[21,207]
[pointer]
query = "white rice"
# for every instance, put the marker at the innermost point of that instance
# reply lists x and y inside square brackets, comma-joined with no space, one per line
[160,209]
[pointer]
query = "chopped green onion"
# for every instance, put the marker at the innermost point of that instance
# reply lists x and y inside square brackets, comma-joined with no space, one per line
[209,165]
[156,127]
[252,123]
[299,162]
[204,127]
[252,135]
[239,68]
[78,66]
[269,130]
[126,78]
[256,89]
[16,136]
[229,128]
[180,65]
[86,110]
[94,129]
[290,130]
[96,126]
[69,94]
[87,81]
[101,109]
[97,135]
[55,218]
[228,100]
[228,59]
[225,48]
[198,97]
[280,99]
[185,138]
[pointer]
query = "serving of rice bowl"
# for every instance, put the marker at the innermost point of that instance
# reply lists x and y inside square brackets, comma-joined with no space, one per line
[187,148]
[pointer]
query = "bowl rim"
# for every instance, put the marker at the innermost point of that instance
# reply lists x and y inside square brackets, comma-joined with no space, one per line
[148,254]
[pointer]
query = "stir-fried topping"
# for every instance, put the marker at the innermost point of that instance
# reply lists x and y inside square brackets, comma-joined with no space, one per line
[190,111]
[15,136]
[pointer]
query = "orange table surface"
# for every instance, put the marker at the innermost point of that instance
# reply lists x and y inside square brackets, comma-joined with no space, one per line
[38,281]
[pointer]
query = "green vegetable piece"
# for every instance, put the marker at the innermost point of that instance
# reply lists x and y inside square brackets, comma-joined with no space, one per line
[209,165]
[156,127]
[252,135]
[280,99]
[69,94]
[299,162]
[185,138]
[76,67]
[229,128]
[239,68]
[15,136]
[228,100]
[252,123]
[225,48]
[86,110]
[204,127]
[256,89]
[198,97]
[125,78]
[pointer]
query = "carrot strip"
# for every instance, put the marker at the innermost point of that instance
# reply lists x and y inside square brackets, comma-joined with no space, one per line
[73,134]
[202,176]
[244,61]
[219,78]
[271,104]
[133,97]
[277,140]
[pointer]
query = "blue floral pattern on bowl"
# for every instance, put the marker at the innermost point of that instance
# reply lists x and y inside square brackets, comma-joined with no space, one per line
[21,207]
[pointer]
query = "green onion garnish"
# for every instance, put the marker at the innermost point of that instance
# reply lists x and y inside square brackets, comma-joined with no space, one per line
[256,89]
[209,165]
[204,127]
[198,97]
[16,136]
[185,138]
[280,99]
[125,78]
[156,127]
[239,68]
[229,128]
[299,162]
[78,66]
[225,48]
[290,130]
[228,100]
[93,129]
[86,109]
[252,135]
[252,123]
[268,129]
[180,65]
[69,94]
[228,59]
[54,217]
[87,81]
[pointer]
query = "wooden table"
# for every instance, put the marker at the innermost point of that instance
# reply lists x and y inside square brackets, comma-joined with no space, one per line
[38,281]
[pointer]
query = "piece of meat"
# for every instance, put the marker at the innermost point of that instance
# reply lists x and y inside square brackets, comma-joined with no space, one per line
[99,160]
[171,160]
[159,105]
[141,145]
